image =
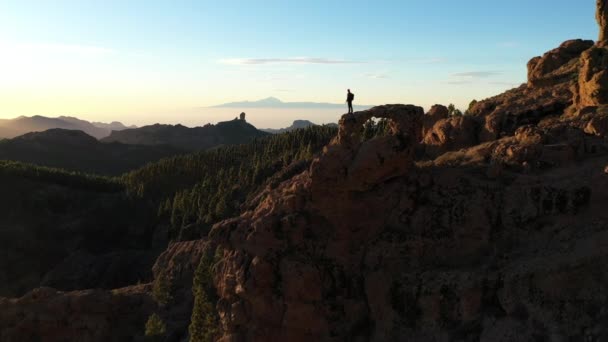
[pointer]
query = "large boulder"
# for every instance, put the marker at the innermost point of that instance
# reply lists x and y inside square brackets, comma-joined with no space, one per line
[540,69]
[437,112]
[450,134]
[592,87]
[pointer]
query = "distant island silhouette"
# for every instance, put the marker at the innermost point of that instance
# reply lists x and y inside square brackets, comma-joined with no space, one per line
[273,102]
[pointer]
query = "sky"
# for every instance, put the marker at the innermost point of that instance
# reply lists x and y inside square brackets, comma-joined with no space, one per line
[142,62]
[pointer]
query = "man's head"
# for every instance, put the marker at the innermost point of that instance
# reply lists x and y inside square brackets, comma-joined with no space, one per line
[348,90]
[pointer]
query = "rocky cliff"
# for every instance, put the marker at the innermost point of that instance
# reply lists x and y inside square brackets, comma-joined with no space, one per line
[488,227]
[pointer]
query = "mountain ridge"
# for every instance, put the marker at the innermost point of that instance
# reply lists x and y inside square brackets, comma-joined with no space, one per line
[10,128]
[195,138]
[74,150]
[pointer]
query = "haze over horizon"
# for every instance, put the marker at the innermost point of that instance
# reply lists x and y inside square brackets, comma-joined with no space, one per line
[142,62]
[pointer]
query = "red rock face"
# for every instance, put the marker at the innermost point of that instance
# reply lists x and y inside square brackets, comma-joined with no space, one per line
[541,69]
[470,246]
[591,90]
[436,113]
[451,134]
[602,19]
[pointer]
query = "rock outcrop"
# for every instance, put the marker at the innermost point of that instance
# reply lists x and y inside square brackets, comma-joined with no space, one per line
[348,163]
[552,88]
[439,250]
[451,134]
[602,19]
[541,70]
[436,113]
[176,267]
[592,87]
[498,237]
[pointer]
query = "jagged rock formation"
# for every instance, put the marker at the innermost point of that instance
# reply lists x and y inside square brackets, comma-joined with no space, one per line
[176,266]
[436,113]
[602,19]
[541,69]
[349,164]
[550,91]
[451,134]
[593,79]
[439,250]
[497,237]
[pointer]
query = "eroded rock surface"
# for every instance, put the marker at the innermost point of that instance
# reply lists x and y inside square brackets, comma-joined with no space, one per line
[601,16]
[541,69]
[451,134]
[591,90]
[441,250]
[435,114]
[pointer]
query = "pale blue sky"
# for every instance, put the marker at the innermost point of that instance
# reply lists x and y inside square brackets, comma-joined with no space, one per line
[137,61]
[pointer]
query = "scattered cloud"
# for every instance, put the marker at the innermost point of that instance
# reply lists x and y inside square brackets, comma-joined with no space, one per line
[292,60]
[477,74]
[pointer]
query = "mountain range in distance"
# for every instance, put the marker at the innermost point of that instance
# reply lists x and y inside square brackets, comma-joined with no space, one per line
[273,102]
[74,150]
[10,128]
[191,139]
[126,149]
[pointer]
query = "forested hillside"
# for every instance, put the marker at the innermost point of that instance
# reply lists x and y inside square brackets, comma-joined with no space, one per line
[194,191]
[73,230]
[70,231]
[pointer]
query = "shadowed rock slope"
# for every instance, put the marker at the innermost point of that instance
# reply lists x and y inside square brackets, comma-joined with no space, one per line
[499,240]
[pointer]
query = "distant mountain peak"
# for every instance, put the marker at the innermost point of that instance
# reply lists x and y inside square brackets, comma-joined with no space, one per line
[270,100]
[11,128]
[273,102]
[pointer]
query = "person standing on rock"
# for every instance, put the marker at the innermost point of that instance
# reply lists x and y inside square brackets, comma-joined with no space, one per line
[349,99]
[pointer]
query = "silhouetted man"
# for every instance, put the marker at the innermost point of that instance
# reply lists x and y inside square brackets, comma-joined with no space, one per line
[349,99]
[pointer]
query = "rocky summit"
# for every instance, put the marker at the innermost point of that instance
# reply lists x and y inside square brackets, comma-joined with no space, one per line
[487,227]
[490,226]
